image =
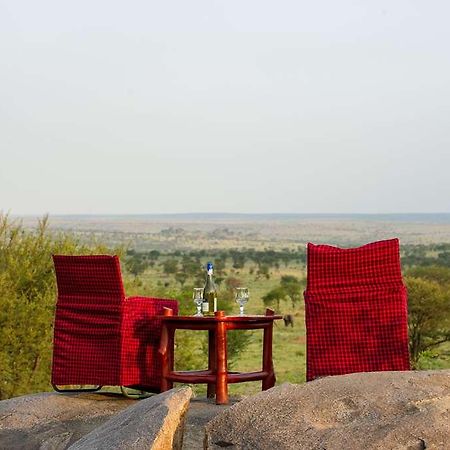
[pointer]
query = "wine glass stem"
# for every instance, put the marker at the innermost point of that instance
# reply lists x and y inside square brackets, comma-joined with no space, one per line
[241,310]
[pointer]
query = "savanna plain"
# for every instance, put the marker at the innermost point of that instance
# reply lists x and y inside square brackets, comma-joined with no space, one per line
[166,255]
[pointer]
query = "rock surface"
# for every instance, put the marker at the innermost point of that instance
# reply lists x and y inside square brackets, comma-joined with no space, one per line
[388,410]
[155,423]
[51,421]
[201,411]
[54,421]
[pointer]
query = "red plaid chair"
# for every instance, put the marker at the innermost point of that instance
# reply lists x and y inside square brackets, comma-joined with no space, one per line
[356,310]
[101,337]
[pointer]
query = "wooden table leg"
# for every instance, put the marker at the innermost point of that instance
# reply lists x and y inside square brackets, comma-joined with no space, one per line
[211,392]
[269,381]
[221,364]
[171,353]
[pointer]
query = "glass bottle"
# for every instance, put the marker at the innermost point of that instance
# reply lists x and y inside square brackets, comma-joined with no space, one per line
[210,291]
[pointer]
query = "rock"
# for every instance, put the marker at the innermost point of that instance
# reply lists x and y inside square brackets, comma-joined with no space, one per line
[155,423]
[378,410]
[54,421]
[201,411]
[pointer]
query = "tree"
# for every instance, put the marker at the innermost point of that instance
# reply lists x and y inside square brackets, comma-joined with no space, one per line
[231,283]
[153,255]
[181,277]
[263,271]
[136,265]
[428,315]
[293,288]
[219,266]
[274,297]
[238,259]
[170,266]
[192,267]
[290,287]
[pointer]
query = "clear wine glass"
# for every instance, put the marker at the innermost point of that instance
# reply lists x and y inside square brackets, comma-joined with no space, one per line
[198,299]
[241,296]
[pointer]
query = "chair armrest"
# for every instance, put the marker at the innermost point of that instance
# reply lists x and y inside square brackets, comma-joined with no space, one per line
[141,332]
[142,316]
[157,304]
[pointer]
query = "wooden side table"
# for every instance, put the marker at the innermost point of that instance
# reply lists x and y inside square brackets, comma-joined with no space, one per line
[217,376]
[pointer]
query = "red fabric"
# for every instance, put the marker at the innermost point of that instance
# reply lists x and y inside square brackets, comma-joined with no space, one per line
[89,279]
[356,310]
[141,331]
[100,336]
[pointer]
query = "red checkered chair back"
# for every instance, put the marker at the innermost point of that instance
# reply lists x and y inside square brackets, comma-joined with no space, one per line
[94,279]
[356,310]
[100,336]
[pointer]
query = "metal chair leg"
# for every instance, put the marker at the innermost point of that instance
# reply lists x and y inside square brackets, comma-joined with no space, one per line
[93,389]
[140,393]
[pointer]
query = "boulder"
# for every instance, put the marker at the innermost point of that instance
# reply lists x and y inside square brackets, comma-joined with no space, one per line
[389,410]
[51,421]
[155,423]
[54,421]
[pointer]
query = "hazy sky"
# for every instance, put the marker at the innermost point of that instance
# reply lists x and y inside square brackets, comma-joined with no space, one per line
[225,106]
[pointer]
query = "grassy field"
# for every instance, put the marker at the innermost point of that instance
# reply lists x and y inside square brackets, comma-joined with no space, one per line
[288,356]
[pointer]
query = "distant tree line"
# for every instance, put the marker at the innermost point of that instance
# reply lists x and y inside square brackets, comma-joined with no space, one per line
[188,264]
[426,255]
[189,261]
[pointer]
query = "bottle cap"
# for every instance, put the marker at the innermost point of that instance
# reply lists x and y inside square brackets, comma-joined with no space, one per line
[209,266]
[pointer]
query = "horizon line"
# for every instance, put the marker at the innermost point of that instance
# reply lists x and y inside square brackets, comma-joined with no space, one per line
[199,213]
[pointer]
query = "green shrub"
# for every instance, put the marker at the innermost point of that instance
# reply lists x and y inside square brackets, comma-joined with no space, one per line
[428,311]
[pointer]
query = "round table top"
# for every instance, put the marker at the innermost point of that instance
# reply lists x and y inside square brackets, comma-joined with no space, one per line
[223,318]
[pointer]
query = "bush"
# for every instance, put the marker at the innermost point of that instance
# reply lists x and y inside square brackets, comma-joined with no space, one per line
[428,311]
